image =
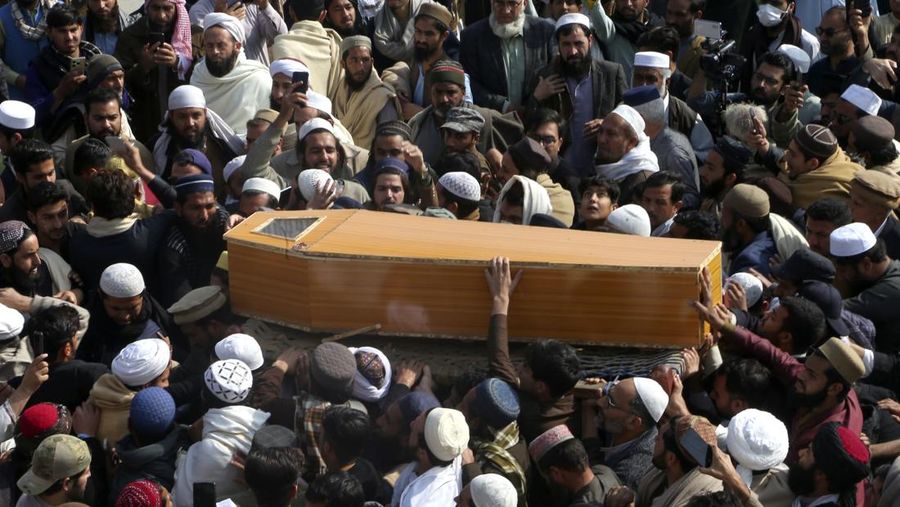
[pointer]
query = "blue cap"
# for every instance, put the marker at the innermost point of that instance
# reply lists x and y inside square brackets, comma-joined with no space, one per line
[640,95]
[415,403]
[392,163]
[194,183]
[152,412]
[496,403]
[344,202]
[194,157]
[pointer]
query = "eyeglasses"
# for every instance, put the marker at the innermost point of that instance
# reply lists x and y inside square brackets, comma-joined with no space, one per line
[771,81]
[507,4]
[607,393]
[829,32]
[545,140]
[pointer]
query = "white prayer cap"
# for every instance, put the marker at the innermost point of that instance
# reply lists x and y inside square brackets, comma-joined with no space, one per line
[11,323]
[630,219]
[798,56]
[242,347]
[186,96]
[262,185]
[651,59]
[287,66]
[851,240]
[493,490]
[231,24]
[574,18]
[229,380]
[446,433]
[142,361]
[757,440]
[752,286]
[632,118]
[653,396]
[314,124]
[462,185]
[863,98]
[122,280]
[232,166]
[311,180]
[16,115]
[318,101]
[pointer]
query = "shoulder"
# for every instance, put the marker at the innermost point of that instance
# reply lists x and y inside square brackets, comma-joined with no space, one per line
[476,28]
[536,23]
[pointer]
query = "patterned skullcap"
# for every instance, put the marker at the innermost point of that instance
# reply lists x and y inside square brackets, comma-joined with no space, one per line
[142,493]
[462,185]
[394,128]
[11,233]
[229,380]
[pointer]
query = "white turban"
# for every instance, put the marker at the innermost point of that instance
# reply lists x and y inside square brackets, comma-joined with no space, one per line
[632,118]
[242,347]
[142,361]
[493,490]
[362,388]
[11,323]
[318,101]
[232,166]
[186,96]
[231,24]
[630,219]
[263,185]
[287,66]
[757,440]
[122,280]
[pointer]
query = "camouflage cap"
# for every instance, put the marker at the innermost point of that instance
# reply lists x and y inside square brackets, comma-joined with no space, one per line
[58,457]
[463,120]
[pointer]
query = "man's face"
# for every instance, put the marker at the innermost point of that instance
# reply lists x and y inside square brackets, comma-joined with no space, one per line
[358,65]
[76,490]
[560,7]
[679,17]
[658,203]
[613,139]
[397,4]
[281,86]
[388,146]
[659,448]
[818,235]
[182,169]
[510,213]
[320,151]
[198,209]
[44,171]
[189,123]
[221,51]
[866,212]
[428,40]
[342,14]
[161,13]
[459,142]
[507,11]
[843,118]
[797,163]
[388,190]
[390,423]
[642,76]
[508,168]
[416,427]
[574,51]
[255,128]
[103,9]
[766,84]
[250,203]
[773,322]
[445,96]
[65,39]
[104,119]
[123,311]
[812,382]
[595,204]
[197,335]
[114,81]
[629,10]
[25,260]
[721,397]
[465,497]
[834,36]
[548,135]
[616,406]
[163,379]
[50,220]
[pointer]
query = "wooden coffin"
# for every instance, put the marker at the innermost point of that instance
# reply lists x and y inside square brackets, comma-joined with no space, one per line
[337,270]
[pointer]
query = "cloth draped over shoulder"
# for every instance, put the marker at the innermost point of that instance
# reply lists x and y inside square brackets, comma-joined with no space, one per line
[238,95]
[358,110]
[317,47]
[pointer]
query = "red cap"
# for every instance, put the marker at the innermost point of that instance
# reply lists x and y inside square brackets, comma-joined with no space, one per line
[37,419]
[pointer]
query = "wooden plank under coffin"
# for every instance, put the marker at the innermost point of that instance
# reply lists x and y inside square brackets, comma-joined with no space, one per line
[423,277]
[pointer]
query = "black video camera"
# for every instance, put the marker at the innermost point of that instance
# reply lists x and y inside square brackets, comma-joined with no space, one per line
[720,63]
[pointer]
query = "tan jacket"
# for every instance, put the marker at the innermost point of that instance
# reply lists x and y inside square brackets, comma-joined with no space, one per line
[113,399]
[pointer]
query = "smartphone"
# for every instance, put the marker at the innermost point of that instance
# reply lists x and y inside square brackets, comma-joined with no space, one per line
[157,38]
[302,78]
[696,447]
[78,64]
[116,144]
[204,494]
[711,30]
[37,343]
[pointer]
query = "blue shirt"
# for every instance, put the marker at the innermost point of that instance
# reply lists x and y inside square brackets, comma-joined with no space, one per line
[580,153]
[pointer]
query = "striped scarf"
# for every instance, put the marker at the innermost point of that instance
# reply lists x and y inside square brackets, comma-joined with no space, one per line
[32,32]
[496,454]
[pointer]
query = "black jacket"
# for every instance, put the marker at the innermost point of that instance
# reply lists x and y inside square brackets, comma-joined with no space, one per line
[69,384]
[155,461]
[481,54]
[891,236]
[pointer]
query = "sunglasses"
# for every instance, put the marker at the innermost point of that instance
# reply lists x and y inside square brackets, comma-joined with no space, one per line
[829,32]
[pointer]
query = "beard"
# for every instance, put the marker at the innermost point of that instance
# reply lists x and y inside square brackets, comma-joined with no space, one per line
[422,53]
[798,400]
[758,95]
[24,283]
[834,48]
[576,66]
[195,141]
[354,84]
[713,190]
[223,67]
[731,240]
[801,480]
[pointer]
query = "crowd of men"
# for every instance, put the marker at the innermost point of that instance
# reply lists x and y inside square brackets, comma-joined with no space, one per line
[131,142]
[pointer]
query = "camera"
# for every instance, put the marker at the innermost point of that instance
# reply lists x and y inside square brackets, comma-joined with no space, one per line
[720,63]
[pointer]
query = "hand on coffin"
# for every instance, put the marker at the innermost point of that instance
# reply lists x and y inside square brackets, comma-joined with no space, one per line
[501,283]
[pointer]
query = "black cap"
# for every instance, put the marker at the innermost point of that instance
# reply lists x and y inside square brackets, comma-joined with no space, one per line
[805,265]
[545,220]
[829,300]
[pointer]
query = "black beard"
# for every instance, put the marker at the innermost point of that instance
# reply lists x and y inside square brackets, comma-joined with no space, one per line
[731,241]
[355,85]
[185,143]
[577,68]
[760,99]
[797,400]
[421,54]
[23,283]
[801,480]
[222,68]
[713,190]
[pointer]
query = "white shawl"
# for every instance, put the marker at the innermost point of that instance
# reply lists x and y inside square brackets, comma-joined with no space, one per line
[392,40]
[640,158]
[238,95]
[215,125]
[537,200]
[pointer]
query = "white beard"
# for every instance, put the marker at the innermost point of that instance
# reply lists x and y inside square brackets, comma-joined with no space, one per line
[509,30]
